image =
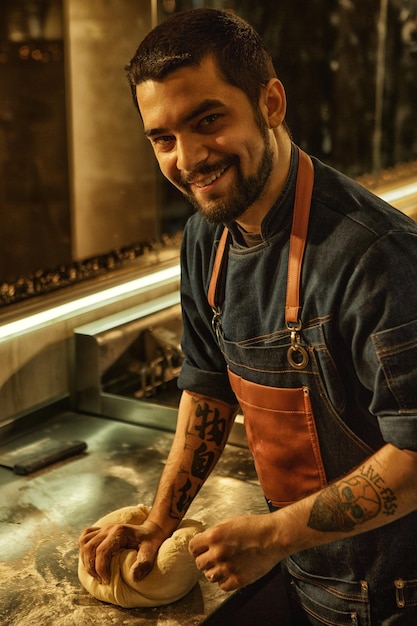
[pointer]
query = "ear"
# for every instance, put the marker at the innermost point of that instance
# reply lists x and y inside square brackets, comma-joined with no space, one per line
[273,102]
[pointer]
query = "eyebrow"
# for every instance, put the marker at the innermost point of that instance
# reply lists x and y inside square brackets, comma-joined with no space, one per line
[203,107]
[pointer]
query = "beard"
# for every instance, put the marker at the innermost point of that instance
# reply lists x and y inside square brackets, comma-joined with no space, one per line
[243,194]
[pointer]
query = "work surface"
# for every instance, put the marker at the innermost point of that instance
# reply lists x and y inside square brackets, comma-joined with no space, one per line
[42,515]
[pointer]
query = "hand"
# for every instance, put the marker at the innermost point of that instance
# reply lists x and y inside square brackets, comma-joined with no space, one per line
[98,545]
[237,551]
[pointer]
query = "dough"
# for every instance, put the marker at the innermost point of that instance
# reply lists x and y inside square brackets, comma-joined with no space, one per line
[173,575]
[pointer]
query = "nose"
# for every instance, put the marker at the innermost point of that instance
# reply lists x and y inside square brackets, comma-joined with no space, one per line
[190,153]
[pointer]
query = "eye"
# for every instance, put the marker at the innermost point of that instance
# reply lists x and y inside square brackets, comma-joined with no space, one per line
[163,142]
[209,120]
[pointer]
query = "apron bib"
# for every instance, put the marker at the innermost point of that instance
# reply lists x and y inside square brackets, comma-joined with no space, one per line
[282,433]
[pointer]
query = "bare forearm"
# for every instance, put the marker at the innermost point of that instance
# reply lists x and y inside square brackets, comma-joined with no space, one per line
[203,427]
[241,549]
[378,492]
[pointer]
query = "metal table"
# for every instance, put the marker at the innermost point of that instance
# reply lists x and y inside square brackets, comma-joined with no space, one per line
[42,515]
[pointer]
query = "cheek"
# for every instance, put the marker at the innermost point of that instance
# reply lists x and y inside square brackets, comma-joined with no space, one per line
[228,145]
[248,154]
[246,143]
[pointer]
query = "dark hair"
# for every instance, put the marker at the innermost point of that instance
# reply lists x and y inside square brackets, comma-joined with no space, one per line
[186,38]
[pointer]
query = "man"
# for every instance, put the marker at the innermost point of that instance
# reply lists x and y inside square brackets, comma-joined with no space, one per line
[309,324]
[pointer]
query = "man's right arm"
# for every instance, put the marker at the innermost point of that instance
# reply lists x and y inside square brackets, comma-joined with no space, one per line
[203,426]
[202,430]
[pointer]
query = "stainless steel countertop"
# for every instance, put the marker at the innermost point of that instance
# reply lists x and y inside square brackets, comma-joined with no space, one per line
[42,515]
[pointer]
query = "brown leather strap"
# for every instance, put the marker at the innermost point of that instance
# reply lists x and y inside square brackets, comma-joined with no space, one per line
[212,294]
[303,190]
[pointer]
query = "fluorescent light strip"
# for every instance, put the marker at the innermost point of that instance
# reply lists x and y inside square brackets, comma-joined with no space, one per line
[398,193]
[88,303]
[129,315]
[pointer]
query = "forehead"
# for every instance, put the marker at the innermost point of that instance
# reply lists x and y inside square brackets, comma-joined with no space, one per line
[182,92]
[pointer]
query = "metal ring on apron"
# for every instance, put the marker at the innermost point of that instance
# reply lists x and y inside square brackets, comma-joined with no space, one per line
[297,355]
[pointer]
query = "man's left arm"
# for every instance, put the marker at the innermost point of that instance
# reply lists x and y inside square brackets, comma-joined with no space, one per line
[242,549]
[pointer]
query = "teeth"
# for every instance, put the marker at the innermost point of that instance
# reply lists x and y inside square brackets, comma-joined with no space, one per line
[210,179]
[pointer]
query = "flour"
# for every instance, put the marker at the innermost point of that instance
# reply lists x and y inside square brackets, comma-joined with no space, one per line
[37,598]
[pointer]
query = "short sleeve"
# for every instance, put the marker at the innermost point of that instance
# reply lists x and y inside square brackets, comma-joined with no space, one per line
[381,314]
[396,350]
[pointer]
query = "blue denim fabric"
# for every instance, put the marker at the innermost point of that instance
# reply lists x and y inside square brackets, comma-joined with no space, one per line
[359,326]
[317,600]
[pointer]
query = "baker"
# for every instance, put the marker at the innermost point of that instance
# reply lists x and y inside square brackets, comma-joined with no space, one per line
[299,299]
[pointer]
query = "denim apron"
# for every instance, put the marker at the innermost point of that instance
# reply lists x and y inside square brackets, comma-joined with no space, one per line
[280,388]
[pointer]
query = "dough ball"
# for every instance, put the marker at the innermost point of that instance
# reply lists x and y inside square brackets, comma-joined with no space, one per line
[173,575]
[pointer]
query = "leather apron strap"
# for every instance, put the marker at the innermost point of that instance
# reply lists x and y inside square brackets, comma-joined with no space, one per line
[215,299]
[279,423]
[298,237]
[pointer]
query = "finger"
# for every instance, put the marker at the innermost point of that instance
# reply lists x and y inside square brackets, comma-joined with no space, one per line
[104,554]
[215,577]
[198,545]
[87,545]
[87,532]
[144,563]
[205,565]
[90,567]
[86,536]
[140,569]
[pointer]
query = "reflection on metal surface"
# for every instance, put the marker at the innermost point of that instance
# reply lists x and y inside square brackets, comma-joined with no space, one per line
[149,364]
[135,354]
[42,515]
[90,302]
[127,364]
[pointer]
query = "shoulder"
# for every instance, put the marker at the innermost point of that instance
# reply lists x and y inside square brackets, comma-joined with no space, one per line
[341,202]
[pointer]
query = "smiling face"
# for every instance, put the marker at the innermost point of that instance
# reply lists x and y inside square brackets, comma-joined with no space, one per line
[208,141]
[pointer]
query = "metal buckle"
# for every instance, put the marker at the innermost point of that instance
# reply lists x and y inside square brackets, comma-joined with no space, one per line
[215,322]
[297,355]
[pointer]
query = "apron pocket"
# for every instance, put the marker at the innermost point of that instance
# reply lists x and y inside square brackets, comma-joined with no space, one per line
[283,439]
[328,600]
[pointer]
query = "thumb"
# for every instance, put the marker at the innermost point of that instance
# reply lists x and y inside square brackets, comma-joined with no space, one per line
[144,562]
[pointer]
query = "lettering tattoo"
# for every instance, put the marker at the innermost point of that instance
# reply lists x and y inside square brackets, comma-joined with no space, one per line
[185,496]
[205,438]
[348,503]
[203,461]
[213,429]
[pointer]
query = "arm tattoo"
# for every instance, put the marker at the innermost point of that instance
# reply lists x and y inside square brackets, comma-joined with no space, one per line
[205,439]
[210,426]
[351,502]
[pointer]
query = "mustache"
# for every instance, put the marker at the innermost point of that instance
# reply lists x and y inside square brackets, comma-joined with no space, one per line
[204,170]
